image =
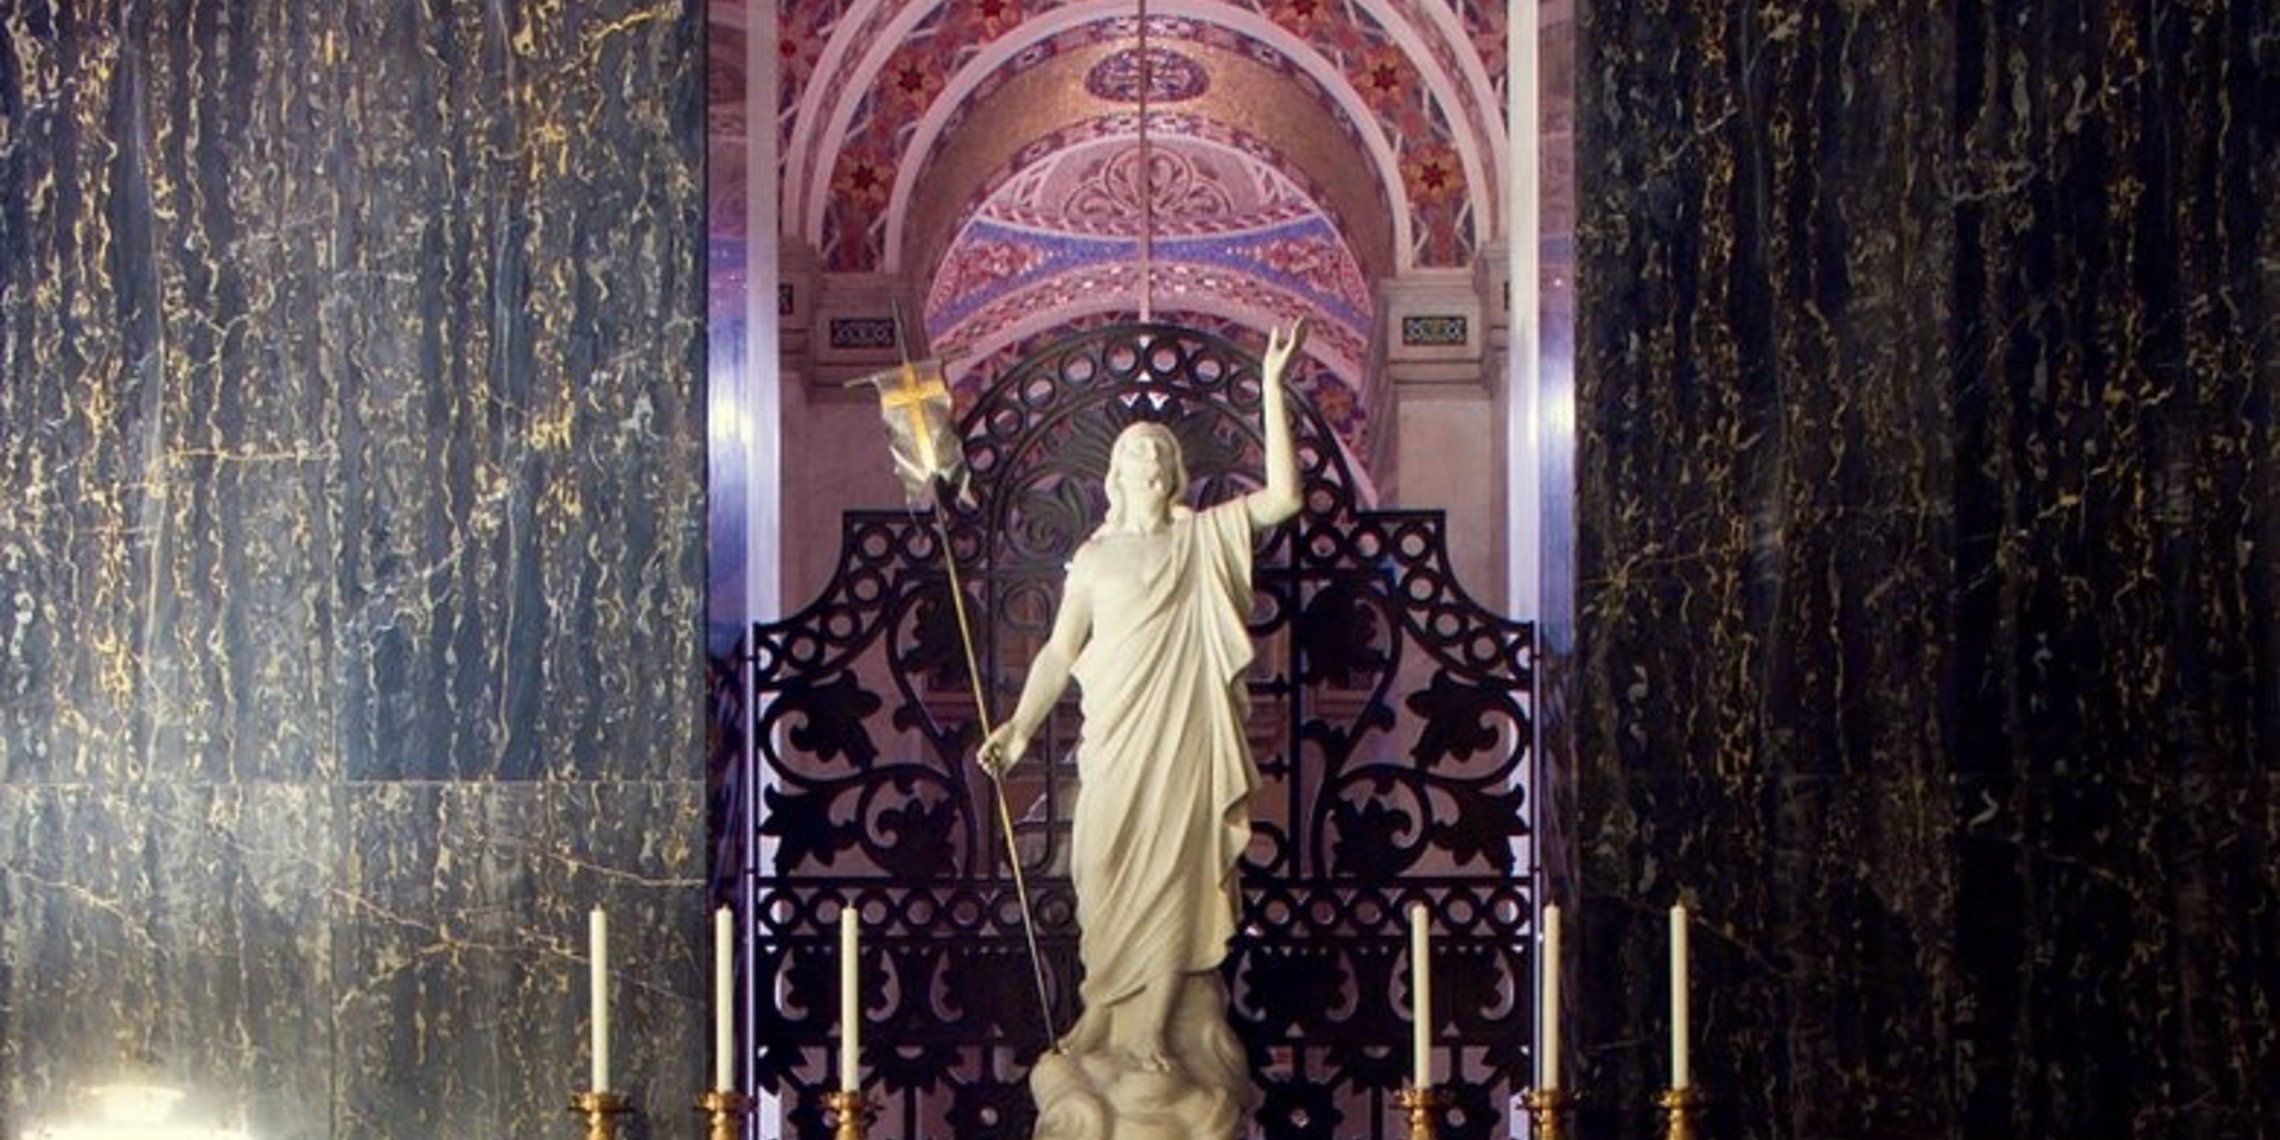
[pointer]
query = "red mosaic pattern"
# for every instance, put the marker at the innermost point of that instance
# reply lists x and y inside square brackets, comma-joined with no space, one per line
[1224,203]
[976,265]
[1341,30]
[802,30]
[1023,197]
[1323,265]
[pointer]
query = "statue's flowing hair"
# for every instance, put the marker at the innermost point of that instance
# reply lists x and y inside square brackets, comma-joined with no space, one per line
[1179,492]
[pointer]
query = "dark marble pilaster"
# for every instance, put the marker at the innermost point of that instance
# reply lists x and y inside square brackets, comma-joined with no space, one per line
[171,933]
[351,569]
[1926,592]
[2115,745]
[462,958]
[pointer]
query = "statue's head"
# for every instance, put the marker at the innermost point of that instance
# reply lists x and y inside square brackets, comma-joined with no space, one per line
[1145,451]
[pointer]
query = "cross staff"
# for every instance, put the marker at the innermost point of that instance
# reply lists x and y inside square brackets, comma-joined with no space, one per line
[915,403]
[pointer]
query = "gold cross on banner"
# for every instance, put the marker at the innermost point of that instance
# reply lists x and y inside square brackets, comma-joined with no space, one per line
[910,396]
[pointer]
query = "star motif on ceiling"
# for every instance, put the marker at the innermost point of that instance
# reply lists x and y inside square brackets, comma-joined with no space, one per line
[1383,79]
[863,182]
[1300,12]
[1432,176]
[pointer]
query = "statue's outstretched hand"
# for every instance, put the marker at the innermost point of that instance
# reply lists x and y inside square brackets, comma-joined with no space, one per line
[1002,749]
[1280,346]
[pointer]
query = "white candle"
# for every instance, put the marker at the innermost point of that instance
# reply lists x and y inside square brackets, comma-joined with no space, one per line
[850,1003]
[1548,1077]
[1680,1077]
[724,1002]
[1421,991]
[598,991]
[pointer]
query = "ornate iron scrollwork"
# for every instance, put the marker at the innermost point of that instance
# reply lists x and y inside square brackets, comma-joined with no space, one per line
[1390,721]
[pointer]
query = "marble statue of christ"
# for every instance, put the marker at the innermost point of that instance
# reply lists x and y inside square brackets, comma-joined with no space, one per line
[1152,627]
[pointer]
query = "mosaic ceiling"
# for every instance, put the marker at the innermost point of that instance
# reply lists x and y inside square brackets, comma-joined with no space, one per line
[1028,165]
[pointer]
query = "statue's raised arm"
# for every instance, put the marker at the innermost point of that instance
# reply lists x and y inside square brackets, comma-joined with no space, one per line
[1282,496]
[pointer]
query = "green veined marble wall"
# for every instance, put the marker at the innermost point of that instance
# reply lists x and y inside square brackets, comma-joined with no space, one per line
[1927,563]
[350,557]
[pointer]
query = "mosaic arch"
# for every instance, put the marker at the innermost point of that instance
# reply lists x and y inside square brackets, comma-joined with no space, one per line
[1228,233]
[1300,152]
[1232,95]
[865,80]
[1205,197]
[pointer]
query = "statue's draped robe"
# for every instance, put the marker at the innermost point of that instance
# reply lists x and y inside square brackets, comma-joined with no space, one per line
[1166,772]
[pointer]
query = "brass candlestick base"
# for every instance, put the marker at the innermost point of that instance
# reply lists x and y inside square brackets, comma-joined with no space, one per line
[727,1110]
[601,1110]
[1420,1103]
[853,1112]
[1548,1111]
[1684,1108]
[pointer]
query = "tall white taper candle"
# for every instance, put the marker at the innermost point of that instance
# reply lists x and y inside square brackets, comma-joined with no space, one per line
[598,988]
[850,1003]
[724,1002]
[1548,1075]
[1680,1075]
[1421,992]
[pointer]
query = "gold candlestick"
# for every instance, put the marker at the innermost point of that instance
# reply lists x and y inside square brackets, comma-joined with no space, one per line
[727,1110]
[1421,1103]
[1548,1110]
[854,1113]
[601,1110]
[1683,1106]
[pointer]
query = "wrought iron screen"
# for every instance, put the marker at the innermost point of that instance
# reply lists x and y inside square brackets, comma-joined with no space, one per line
[1390,721]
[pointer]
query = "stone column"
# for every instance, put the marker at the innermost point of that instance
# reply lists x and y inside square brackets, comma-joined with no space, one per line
[1443,446]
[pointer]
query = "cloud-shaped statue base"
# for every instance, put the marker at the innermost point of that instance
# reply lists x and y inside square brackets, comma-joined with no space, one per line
[1105,1090]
